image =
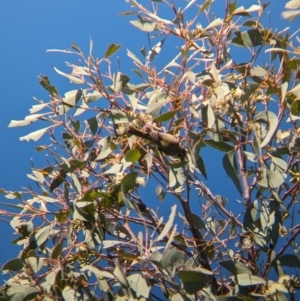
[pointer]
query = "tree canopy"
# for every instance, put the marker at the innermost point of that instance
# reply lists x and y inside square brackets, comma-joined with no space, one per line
[88,226]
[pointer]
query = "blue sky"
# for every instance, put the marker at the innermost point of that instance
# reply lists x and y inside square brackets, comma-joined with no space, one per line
[27,30]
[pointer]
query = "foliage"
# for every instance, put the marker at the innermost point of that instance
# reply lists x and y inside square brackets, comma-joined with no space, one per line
[88,230]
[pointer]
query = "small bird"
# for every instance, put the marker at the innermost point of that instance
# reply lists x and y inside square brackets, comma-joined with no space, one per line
[166,143]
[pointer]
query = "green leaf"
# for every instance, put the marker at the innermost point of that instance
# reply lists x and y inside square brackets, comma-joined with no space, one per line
[230,166]
[45,83]
[57,250]
[13,265]
[112,48]
[219,145]
[198,222]
[193,279]
[250,215]
[235,268]
[201,166]
[256,145]
[250,38]
[205,5]
[166,116]
[93,124]
[132,155]
[58,180]
[290,260]
[62,215]
[129,182]
[248,280]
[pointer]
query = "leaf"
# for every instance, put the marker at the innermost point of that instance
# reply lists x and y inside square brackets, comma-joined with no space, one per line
[112,48]
[57,250]
[214,23]
[250,38]
[176,177]
[208,116]
[135,58]
[91,97]
[156,102]
[36,135]
[58,180]
[72,97]
[120,275]
[144,25]
[45,83]
[198,222]
[193,279]
[72,78]
[120,81]
[256,145]
[119,117]
[269,118]
[129,182]
[248,280]
[201,166]
[42,235]
[166,116]
[93,124]
[235,268]
[275,176]
[98,272]
[250,156]
[148,159]
[106,150]
[219,145]
[172,259]
[28,120]
[230,166]
[132,155]
[116,168]
[17,292]
[290,15]
[168,225]
[139,285]
[290,260]
[13,265]
[70,294]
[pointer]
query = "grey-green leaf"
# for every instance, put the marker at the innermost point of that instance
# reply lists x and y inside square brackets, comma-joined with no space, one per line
[230,166]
